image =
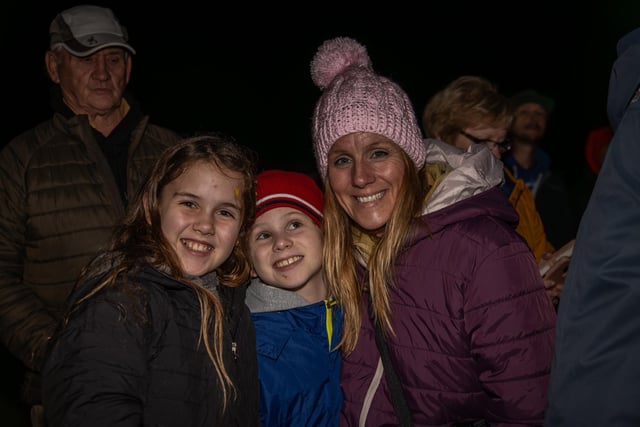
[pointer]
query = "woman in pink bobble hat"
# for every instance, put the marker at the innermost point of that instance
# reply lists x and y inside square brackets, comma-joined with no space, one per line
[422,254]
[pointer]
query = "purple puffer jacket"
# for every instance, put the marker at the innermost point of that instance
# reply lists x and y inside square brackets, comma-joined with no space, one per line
[474,326]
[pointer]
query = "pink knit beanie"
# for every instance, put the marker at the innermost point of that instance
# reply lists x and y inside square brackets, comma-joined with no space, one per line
[355,99]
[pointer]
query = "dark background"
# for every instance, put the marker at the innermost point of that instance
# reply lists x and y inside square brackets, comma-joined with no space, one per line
[244,69]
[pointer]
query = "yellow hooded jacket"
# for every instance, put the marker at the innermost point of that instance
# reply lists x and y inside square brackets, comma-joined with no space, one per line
[530,226]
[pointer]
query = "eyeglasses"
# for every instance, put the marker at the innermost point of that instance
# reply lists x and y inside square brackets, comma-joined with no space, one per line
[503,146]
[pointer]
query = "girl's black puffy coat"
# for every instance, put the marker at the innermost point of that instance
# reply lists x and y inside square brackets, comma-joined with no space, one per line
[110,366]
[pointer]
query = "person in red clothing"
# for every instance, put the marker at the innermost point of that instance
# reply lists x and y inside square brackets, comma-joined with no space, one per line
[595,149]
[422,254]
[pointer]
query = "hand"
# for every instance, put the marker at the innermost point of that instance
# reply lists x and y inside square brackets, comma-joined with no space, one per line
[546,256]
[554,289]
[554,281]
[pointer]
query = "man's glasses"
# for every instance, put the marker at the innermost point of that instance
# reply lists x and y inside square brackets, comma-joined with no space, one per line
[503,146]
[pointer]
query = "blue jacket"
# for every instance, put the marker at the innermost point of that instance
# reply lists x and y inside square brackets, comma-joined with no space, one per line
[596,374]
[534,176]
[299,372]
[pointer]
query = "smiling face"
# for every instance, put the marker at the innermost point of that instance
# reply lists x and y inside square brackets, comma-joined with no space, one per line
[285,247]
[201,215]
[366,171]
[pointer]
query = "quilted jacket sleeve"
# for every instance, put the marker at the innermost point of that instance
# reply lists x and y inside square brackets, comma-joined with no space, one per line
[25,323]
[511,323]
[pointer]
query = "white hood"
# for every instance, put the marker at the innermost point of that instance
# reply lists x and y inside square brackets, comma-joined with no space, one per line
[474,171]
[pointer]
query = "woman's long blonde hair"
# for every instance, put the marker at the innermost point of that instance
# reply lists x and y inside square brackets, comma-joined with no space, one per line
[340,258]
[139,236]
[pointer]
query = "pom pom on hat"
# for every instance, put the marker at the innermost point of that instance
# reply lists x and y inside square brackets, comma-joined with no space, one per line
[277,188]
[334,57]
[356,99]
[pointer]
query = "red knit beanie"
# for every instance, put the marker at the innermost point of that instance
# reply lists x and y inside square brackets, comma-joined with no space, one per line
[278,188]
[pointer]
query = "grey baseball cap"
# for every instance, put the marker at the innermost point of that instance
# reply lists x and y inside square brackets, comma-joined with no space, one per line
[83,30]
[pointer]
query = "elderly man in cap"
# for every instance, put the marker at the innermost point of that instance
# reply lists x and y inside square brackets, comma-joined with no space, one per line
[67,181]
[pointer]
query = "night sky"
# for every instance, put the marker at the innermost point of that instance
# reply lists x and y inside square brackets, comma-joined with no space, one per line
[244,70]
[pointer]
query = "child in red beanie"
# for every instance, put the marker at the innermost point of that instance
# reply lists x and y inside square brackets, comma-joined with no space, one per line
[297,323]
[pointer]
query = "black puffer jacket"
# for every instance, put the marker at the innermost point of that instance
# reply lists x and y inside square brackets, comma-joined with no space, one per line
[59,201]
[110,366]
